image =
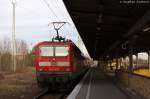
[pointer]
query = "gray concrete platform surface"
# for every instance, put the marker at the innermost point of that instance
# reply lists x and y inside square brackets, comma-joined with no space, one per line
[96,85]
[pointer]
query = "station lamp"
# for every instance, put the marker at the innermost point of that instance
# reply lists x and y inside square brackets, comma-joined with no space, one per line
[147,28]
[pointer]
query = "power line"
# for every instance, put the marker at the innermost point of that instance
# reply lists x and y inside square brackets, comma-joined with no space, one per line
[78,37]
[60,20]
[59,9]
[51,9]
[57,1]
[54,12]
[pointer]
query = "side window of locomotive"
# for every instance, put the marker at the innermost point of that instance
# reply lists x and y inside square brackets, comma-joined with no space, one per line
[46,51]
[61,51]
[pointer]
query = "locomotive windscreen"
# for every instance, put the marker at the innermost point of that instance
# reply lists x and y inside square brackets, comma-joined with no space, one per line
[47,51]
[61,51]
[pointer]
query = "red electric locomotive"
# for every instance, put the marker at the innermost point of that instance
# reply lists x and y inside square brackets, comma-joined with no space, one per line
[58,62]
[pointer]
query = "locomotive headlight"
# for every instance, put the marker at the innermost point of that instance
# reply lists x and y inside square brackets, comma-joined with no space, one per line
[67,69]
[63,64]
[44,63]
[59,63]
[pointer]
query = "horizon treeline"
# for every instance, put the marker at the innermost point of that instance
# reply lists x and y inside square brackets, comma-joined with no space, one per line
[24,56]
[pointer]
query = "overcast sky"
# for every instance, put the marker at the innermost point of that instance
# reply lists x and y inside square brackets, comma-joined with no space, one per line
[32,19]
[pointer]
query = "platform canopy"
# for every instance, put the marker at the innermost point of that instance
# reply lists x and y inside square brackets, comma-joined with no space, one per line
[110,26]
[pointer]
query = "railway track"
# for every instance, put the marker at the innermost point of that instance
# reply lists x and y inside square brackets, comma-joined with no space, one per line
[48,94]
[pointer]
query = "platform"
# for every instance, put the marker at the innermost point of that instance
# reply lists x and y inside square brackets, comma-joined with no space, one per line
[96,85]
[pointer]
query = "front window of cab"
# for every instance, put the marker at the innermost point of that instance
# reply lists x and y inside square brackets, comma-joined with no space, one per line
[49,51]
[46,51]
[61,51]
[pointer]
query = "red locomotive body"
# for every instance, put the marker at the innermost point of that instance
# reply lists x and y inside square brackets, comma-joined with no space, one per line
[57,62]
[54,56]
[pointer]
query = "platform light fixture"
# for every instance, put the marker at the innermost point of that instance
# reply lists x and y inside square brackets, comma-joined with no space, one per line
[147,28]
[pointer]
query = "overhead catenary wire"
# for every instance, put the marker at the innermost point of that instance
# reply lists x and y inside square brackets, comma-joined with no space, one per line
[60,20]
[51,9]
[67,29]
[78,37]
[63,15]
[57,5]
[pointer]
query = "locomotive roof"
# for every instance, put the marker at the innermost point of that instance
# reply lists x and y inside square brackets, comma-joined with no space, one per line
[51,42]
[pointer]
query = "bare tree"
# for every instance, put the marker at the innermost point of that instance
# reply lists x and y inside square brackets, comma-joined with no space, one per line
[24,58]
[5,57]
[0,55]
[22,52]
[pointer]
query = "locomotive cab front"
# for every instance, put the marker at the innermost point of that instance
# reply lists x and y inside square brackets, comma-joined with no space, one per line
[53,60]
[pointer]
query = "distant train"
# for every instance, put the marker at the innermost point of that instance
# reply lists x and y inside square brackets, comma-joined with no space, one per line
[58,63]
